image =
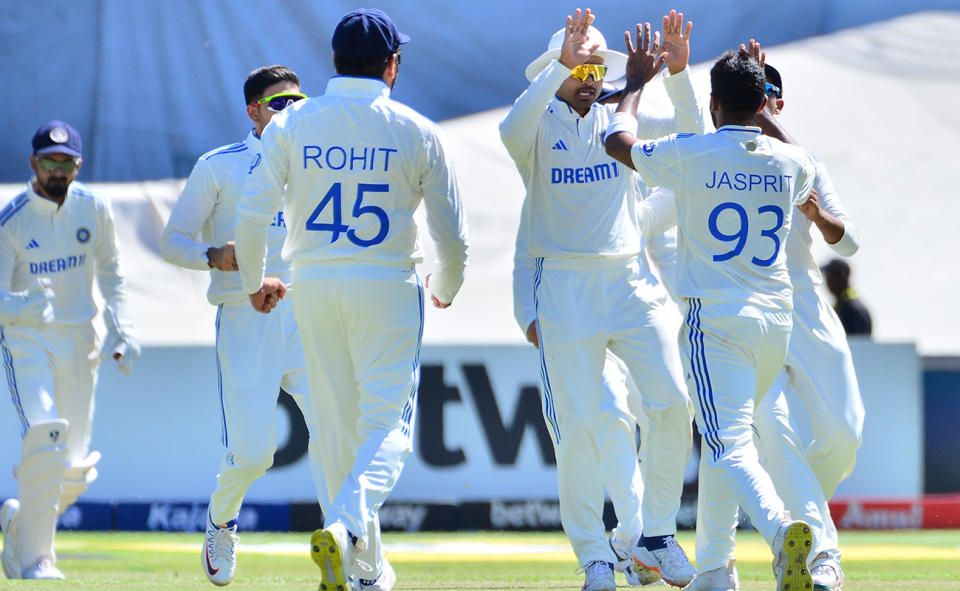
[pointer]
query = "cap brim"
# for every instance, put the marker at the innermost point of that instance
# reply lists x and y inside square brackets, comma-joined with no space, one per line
[402,38]
[615,61]
[59,150]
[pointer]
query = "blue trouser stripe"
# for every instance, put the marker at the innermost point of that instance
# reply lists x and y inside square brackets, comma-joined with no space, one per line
[698,363]
[12,385]
[223,410]
[550,410]
[406,416]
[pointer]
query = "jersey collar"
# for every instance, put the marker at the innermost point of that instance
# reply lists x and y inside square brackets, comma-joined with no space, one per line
[741,128]
[357,86]
[566,112]
[252,140]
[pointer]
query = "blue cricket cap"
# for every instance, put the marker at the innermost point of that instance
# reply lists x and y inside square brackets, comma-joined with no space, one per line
[367,33]
[57,137]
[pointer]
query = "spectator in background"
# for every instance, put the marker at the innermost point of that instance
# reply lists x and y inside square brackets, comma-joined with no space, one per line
[853,314]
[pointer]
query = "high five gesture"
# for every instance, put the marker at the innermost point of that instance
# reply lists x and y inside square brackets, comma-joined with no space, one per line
[676,42]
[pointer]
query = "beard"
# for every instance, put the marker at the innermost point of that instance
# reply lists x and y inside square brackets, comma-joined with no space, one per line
[55,188]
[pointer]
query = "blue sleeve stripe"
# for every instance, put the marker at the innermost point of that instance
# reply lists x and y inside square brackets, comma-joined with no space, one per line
[234,149]
[10,210]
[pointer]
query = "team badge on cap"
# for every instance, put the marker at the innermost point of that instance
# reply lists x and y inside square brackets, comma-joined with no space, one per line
[83,235]
[59,135]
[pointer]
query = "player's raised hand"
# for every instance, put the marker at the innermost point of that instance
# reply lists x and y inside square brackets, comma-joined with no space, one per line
[676,41]
[576,48]
[753,50]
[644,60]
[811,207]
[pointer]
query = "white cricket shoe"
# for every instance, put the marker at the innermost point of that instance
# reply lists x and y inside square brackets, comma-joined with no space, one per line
[44,568]
[826,573]
[332,550]
[598,576]
[385,582]
[637,576]
[219,558]
[10,524]
[724,578]
[671,562]
[790,548]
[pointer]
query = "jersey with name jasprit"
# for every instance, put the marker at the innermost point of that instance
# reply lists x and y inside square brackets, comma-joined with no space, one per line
[736,191]
[207,210]
[579,201]
[357,164]
[68,246]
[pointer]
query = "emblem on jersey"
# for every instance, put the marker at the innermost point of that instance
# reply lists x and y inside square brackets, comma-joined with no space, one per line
[33,244]
[648,148]
[83,235]
[256,163]
[59,135]
[559,145]
[54,435]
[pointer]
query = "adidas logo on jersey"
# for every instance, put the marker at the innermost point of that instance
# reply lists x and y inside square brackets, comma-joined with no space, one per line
[559,145]
[33,244]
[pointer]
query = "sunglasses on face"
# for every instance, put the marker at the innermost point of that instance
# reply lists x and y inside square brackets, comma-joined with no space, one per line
[773,91]
[277,102]
[584,71]
[50,165]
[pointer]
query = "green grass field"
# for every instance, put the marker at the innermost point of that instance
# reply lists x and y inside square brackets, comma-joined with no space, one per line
[901,561]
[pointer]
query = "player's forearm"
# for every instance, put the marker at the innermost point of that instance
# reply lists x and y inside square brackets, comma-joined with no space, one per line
[519,127]
[251,251]
[524,303]
[688,112]
[770,125]
[178,249]
[657,213]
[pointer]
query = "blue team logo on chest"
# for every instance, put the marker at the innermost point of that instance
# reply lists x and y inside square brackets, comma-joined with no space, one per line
[83,235]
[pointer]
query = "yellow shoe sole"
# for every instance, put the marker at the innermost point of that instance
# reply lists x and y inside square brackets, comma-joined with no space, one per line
[327,554]
[796,545]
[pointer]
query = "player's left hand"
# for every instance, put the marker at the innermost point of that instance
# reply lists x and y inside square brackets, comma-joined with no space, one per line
[576,49]
[436,303]
[676,42]
[811,208]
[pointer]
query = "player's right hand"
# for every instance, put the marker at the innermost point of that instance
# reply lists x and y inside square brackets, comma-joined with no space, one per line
[575,49]
[223,258]
[532,334]
[272,290]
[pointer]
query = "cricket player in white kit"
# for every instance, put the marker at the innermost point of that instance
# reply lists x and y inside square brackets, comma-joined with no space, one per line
[55,238]
[818,373]
[257,354]
[594,292]
[735,195]
[356,164]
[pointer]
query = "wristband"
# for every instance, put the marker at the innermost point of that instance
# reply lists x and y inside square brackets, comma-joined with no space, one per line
[622,122]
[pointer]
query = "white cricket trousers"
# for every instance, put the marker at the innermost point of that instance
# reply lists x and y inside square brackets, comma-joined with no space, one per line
[819,374]
[51,374]
[257,354]
[732,353]
[584,308]
[361,327]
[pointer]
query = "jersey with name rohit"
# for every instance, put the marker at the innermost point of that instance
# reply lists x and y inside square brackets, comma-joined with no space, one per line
[580,202]
[68,246]
[357,164]
[207,210]
[735,195]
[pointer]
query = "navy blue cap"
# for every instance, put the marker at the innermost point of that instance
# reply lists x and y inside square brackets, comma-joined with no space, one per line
[57,137]
[367,33]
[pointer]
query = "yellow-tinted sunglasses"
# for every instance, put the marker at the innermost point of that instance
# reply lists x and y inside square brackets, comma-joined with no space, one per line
[584,71]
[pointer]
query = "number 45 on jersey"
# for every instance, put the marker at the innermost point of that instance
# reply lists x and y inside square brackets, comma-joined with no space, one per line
[334,199]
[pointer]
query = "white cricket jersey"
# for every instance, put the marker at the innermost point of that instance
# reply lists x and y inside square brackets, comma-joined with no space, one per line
[207,209]
[804,271]
[69,246]
[735,191]
[580,202]
[356,165]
